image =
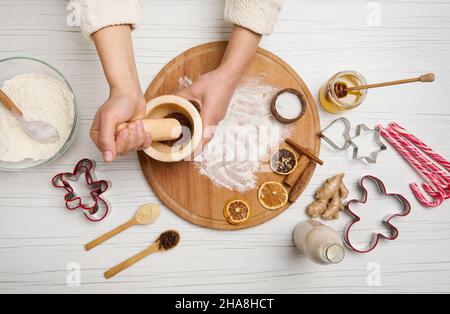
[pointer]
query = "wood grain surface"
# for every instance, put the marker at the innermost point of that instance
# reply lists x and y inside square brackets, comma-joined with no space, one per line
[41,243]
[180,186]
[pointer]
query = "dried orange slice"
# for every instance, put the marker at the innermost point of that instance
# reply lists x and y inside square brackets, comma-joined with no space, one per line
[237,212]
[283,161]
[273,195]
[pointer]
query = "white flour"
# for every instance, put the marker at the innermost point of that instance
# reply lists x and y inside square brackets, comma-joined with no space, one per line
[41,98]
[243,140]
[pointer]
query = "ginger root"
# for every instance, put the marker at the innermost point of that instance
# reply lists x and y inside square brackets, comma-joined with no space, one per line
[328,199]
[317,208]
[334,207]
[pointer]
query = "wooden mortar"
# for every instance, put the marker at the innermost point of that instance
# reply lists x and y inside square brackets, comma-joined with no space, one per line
[158,109]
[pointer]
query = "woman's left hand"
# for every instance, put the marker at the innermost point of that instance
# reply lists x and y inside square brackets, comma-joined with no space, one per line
[213,92]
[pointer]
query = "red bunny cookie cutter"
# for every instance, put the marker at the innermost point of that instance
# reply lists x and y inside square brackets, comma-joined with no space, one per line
[99,208]
[377,236]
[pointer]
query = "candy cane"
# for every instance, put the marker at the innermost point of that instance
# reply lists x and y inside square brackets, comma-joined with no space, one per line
[439,178]
[425,148]
[394,140]
[439,198]
[436,193]
[442,179]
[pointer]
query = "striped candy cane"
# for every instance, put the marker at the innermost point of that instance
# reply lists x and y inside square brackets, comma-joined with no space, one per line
[438,196]
[441,178]
[425,148]
[436,193]
[427,162]
[394,140]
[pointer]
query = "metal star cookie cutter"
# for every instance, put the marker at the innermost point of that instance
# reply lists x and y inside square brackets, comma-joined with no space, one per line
[346,134]
[99,208]
[372,159]
[394,233]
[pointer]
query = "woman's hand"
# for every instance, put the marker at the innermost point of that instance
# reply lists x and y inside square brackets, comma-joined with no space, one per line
[120,107]
[126,102]
[213,92]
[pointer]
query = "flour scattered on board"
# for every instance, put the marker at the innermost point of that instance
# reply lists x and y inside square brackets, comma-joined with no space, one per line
[184,82]
[243,141]
[41,98]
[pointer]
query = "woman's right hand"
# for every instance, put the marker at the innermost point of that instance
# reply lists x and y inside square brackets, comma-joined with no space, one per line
[126,102]
[120,107]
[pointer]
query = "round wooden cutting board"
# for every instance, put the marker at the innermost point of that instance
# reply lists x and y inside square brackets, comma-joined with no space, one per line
[180,186]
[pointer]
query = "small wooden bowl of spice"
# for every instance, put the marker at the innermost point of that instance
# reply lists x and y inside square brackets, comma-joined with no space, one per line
[180,109]
[288,106]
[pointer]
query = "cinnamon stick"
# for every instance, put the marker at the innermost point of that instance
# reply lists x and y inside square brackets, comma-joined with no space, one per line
[302,150]
[291,179]
[300,185]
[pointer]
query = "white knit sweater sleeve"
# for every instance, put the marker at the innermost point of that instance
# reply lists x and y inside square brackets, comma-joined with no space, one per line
[259,16]
[98,14]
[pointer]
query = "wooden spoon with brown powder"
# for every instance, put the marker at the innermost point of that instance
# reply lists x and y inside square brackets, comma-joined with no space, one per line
[166,241]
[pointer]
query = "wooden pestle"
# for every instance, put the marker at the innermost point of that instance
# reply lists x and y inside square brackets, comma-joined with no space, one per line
[302,163]
[159,129]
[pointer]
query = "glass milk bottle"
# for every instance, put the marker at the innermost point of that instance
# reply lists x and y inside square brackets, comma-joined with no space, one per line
[320,243]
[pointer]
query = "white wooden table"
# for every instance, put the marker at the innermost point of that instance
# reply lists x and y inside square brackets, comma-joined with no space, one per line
[41,243]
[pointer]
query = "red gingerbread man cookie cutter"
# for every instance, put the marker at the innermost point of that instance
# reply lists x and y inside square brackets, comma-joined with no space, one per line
[406,210]
[99,208]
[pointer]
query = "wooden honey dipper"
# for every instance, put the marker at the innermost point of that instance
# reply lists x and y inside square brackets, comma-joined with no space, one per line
[342,90]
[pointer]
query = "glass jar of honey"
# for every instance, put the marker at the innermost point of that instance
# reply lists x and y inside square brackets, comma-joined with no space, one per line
[333,100]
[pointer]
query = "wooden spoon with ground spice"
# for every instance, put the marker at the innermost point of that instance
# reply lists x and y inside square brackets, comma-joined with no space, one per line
[166,241]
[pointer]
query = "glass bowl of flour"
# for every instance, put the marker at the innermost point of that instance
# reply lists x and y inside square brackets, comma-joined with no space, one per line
[43,94]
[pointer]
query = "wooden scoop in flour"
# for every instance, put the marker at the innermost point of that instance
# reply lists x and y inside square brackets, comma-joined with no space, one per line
[159,129]
[39,131]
